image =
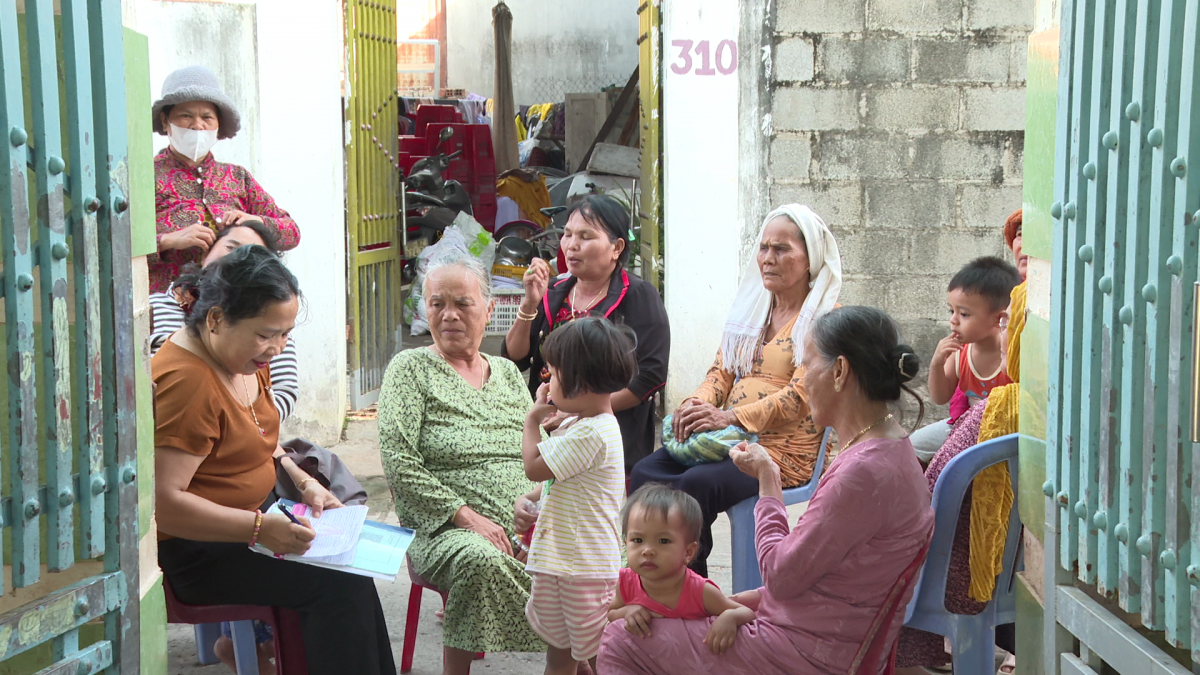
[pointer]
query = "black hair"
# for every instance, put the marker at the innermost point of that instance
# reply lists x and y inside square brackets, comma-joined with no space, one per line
[990,277]
[241,285]
[270,239]
[591,355]
[870,341]
[664,499]
[611,216]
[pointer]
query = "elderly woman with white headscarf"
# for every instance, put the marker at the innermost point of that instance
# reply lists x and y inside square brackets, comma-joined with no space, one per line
[756,382]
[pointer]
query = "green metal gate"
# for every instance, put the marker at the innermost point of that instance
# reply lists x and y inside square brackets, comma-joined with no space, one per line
[372,195]
[1120,531]
[69,445]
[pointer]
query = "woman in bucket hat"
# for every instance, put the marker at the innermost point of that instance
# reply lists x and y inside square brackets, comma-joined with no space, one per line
[195,195]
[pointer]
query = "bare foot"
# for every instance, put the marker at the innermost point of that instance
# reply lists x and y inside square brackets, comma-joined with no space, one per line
[223,648]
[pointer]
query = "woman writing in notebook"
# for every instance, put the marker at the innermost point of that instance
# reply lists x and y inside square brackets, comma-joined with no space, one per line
[216,429]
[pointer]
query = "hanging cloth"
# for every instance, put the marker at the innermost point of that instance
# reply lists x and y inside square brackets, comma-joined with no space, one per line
[504,136]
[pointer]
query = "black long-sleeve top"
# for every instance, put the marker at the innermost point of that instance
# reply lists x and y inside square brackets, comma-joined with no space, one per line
[634,303]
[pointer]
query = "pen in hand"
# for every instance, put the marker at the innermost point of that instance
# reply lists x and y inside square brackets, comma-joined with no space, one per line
[288,513]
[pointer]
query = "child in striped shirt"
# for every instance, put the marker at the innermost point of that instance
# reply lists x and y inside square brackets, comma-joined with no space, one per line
[575,555]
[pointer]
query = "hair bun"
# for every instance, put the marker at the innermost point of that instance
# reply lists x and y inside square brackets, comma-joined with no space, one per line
[908,364]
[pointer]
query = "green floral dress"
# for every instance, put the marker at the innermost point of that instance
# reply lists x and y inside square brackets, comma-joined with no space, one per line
[446,444]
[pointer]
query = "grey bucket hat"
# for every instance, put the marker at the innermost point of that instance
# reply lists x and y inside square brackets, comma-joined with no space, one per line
[197,83]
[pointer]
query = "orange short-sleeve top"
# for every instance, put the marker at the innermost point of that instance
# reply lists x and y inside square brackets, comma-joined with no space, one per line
[196,413]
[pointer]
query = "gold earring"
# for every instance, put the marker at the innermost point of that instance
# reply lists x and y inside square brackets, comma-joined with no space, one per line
[837,387]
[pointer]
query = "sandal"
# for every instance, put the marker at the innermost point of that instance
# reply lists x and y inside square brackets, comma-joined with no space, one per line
[1009,667]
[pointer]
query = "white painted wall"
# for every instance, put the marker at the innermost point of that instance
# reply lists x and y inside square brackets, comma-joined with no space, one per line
[700,151]
[559,47]
[300,61]
[282,68]
[220,36]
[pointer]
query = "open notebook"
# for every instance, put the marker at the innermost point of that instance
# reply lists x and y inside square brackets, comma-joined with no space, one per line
[348,542]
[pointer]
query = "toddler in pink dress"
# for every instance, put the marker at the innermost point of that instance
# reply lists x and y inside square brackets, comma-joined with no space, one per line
[661,526]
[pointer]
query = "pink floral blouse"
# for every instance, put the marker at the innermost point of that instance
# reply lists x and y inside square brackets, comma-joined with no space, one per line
[186,195]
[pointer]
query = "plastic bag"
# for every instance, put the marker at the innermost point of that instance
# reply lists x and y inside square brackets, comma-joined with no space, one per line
[465,237]
[705,446]
[526,146]
[479,241]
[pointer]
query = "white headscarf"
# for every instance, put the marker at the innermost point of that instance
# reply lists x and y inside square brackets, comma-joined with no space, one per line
[752,305]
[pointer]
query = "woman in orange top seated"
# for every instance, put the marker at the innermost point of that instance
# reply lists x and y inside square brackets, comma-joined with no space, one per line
[756,382]
[216,430]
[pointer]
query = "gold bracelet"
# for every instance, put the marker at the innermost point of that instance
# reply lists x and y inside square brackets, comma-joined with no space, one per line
[522,316]
[300,485]
[258,518]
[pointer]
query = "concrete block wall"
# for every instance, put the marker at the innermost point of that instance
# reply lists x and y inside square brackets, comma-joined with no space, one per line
[901,123]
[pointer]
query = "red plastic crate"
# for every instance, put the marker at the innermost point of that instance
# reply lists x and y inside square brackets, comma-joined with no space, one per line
[430,114]
[414,145]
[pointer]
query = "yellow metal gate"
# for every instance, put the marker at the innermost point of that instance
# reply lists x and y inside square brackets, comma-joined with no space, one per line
[650,91]
[372,198]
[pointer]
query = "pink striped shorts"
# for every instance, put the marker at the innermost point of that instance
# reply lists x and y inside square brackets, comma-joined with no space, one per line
[570,612]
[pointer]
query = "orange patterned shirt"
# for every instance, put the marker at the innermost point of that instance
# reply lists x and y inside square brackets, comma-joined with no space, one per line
[772,403]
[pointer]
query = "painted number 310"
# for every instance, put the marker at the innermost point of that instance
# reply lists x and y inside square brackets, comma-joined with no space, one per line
[725,59]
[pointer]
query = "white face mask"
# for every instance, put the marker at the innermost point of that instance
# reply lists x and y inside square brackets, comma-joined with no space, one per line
[192,143]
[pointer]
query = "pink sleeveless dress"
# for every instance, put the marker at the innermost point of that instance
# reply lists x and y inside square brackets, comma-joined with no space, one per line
[691,600]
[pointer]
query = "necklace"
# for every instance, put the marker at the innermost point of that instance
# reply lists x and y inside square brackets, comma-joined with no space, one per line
[575,309]
[859,435]
[250,405]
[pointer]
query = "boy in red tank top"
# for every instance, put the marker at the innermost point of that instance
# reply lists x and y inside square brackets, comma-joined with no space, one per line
[971,357]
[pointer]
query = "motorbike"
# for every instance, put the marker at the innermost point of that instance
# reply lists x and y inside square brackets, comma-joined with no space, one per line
[433,201]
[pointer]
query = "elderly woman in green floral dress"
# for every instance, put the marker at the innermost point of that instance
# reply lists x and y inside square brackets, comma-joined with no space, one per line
[450,422]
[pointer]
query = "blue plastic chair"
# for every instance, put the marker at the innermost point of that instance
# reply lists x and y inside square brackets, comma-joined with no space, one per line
[245,649]
[973,637]
[746,574]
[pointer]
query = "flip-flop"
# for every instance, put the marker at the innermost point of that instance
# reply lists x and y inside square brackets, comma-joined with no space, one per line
[1009,667]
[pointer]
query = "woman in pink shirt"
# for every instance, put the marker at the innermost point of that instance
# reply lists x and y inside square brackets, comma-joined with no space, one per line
[826,579]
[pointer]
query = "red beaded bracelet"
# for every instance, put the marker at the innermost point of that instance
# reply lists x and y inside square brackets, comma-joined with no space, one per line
[258,516]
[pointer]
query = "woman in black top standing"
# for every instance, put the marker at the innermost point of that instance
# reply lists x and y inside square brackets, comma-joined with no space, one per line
[596,246]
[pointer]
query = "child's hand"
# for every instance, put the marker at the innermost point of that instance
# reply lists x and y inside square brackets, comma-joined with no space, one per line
[721,633]
[524,517]
[949,346]
[637,620]
[554,421]
[542,407]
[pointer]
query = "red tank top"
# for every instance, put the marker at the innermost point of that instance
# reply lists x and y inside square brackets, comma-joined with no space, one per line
[972,384]
[691,600]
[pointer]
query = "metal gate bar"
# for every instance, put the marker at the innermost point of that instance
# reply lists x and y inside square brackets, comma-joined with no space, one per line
[1124,270]
[15,239]
[51,257]
[88,390]
[70,378]
[372,194]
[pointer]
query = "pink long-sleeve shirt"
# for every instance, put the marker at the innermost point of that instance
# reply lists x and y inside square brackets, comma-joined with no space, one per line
[824,580]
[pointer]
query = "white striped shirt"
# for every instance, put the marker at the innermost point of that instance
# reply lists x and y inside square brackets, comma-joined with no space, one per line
[166,317]
[577,533]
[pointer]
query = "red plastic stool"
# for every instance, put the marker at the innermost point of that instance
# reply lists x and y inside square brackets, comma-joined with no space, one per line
[414,616]
[285,624]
